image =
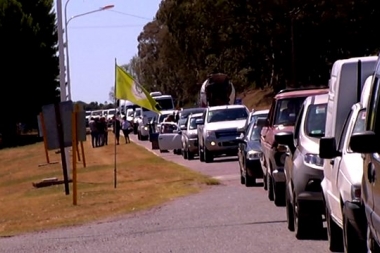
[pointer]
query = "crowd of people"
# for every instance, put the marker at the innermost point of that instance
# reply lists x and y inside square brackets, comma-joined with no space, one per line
[99,130]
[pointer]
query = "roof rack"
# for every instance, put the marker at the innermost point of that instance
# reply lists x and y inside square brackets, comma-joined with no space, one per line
[298,89]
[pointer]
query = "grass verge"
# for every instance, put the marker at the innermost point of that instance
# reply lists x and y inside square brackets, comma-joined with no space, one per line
[144,180]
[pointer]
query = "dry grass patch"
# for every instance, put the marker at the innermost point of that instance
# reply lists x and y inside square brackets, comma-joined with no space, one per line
[258,99]
[144,180]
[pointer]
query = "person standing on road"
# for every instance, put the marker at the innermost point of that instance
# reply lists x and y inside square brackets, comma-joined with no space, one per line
[125,127]
[93,131]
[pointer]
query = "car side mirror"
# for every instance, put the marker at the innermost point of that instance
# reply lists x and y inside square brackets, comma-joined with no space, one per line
[183,127]
[199,122]
[364,142]
[240,140]
[262,122]
[285,139]
[327,148]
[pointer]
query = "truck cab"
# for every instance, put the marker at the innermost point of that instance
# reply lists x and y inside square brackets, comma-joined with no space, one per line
[281,118]
[219,131]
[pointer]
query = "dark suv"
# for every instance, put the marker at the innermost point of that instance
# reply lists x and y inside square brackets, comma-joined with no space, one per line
[281,118]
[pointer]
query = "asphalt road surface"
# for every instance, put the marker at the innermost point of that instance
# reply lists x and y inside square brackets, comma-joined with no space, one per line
[225,218]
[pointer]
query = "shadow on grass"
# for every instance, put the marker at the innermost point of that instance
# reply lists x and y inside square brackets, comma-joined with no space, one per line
[21,140]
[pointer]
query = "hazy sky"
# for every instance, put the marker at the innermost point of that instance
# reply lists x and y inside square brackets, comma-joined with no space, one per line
[96,39]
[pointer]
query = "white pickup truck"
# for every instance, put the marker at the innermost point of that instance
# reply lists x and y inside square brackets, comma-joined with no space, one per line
[218,130]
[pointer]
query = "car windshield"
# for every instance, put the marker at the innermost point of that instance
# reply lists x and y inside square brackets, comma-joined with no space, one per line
[186,112]
[255,133]
[259,116]
[287,111]
[182,121]
[193,122]
[97,113]
[316,120]
[165,103]
[138,113]
[227,115]
[162,117]
[112,112]
[130,113]
[88,113]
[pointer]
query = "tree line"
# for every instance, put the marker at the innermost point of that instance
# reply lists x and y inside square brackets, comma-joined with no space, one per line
[275,43]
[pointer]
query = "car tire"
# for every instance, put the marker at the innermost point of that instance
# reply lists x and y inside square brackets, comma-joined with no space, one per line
[334,234]
[208,157]
[249,181]
[270,187]
[201,157]
[190,155]
[289,211]
[279,194]
[352,242]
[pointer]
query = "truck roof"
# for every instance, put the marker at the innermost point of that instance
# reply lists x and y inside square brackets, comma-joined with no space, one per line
[219,107]
[301,92]
[317,99]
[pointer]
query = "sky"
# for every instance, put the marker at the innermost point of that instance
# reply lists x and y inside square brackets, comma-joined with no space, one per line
[97,39]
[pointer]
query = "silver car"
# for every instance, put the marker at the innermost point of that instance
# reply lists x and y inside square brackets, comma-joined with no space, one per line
[190,137]
[304,168]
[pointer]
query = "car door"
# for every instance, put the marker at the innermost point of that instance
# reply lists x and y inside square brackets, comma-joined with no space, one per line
[371,172]
[170,141]
[334,176]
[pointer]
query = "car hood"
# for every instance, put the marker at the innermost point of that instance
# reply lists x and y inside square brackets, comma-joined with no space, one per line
[226,124]
[310,145]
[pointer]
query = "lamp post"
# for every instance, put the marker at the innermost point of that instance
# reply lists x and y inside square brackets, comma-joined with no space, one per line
[67,41]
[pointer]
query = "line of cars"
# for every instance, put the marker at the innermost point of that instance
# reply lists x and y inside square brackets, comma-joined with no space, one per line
[319,156]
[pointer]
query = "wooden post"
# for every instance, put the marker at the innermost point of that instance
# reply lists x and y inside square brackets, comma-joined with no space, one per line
[74,157]
[44,137]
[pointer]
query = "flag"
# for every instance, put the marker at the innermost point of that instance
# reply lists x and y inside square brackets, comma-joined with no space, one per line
[128,89]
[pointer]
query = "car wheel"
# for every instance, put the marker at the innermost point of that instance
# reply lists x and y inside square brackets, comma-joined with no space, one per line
[185,154]
[372,245]
[201,157]
[270,187]
[249,181]
[352,242]
[190,156]
[289,211]
[279,194]
[208,157]
[334,234]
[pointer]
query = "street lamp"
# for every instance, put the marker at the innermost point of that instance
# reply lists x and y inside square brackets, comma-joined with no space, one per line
[66,40]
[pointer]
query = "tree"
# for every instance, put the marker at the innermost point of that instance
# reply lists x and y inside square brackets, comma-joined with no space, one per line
[29,61]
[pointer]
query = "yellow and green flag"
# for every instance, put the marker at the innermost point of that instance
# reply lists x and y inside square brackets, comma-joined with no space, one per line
[128,89]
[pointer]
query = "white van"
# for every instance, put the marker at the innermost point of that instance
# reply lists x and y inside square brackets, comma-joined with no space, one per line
[349,87]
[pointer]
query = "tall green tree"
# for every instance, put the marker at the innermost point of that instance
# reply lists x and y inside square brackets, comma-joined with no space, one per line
[28,62]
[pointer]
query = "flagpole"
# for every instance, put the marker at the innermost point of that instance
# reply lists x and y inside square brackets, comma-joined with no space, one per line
[115,104]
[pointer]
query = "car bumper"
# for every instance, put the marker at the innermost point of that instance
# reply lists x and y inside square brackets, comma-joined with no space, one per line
[192,145]
[356,216]
[307,179]
[253,168]
[144,130]
[221,144]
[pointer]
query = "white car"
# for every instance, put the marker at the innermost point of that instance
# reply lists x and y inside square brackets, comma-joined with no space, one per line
[190,137]
[170,137]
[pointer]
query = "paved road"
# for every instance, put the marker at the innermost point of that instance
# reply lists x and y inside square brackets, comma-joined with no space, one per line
[226,218]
